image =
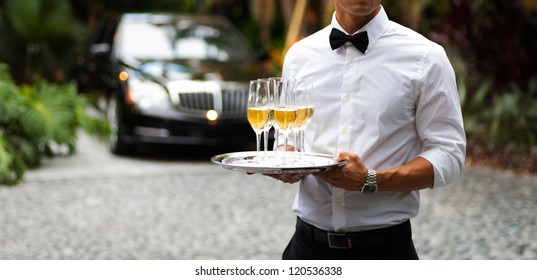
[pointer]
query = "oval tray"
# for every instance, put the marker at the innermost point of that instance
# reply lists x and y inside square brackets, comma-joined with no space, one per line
[246,162]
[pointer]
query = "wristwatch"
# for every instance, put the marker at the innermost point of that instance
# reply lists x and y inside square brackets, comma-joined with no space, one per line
[370,185]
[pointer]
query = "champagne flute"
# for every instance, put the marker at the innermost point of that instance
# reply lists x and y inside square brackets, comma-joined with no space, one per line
[285,112]
[274,86]
[270,104]
[258,112]
[304,112]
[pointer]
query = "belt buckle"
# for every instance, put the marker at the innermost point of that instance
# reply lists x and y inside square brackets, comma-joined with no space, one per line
[335,234]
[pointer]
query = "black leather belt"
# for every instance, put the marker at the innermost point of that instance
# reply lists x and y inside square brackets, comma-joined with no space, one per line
[347,240]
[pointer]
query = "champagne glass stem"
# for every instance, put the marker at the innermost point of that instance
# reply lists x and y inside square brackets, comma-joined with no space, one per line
[285,136]
[301,141]
[258,138]
[266,135]
[297,141]
[276,136]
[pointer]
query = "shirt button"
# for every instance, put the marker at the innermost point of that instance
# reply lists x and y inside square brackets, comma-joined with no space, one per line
[347,98]
[339,201]
[350,64]
[345,130]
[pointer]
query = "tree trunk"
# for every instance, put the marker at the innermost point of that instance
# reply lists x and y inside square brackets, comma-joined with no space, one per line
[263,12]
[296,23]
[411,13]
[287,7]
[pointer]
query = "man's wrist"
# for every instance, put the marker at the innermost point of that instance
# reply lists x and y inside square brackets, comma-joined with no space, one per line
[370,184]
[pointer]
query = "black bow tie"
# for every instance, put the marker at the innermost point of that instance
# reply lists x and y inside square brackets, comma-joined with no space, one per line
[338,39]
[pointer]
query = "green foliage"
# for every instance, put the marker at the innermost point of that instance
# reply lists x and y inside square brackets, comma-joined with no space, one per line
[39,37]
[514,116]
[185,6]
[507,119]
[491,46]
[36,21]
[35,117]
[497,36]
[12,167]
[473,91]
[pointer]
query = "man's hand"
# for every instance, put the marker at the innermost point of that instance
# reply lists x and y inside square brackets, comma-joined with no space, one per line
[287,178]
[350,177]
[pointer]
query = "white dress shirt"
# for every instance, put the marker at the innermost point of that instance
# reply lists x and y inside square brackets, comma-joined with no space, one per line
[396,102]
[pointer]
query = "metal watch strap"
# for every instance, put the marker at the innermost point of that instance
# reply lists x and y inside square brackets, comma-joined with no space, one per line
[370,185]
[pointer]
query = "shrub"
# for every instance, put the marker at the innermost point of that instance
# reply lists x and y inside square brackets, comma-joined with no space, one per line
[35,117]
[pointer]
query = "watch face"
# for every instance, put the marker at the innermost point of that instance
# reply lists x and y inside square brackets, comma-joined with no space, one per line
[369,189]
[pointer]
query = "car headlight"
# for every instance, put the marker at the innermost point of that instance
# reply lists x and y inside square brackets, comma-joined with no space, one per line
[149,95]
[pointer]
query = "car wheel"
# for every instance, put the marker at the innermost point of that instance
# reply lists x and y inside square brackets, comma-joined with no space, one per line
[117,145]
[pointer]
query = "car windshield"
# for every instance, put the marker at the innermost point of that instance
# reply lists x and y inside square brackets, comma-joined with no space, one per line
[183,39]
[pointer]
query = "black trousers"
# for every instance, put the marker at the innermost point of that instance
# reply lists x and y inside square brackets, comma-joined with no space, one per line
[392,243]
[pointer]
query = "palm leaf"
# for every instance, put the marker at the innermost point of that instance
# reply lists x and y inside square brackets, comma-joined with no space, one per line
[12,167]
[11,103]
[37,20]
[33,117]
[92,124]
[50,114]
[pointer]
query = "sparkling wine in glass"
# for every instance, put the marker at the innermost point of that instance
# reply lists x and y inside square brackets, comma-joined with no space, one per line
[258,111]
[274,87]
[285,112]
[305,110]
[270,104]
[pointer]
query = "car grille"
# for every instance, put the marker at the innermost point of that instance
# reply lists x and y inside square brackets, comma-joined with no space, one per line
[196,102]
[234,102]
[229,101]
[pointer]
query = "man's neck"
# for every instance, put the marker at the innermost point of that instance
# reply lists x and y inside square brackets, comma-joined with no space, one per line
[352,23]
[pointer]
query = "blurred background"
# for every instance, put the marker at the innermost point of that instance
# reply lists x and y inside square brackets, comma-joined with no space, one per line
[45,56]
[83,81]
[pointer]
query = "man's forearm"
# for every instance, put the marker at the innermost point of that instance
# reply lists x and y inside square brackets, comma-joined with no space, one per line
[415,175]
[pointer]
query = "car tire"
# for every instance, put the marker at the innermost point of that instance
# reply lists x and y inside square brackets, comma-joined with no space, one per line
[113,113]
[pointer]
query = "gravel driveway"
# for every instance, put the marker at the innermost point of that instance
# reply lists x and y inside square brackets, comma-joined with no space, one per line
[97,206]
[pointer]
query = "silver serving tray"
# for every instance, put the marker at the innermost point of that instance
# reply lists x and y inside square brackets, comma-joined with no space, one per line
[246,162]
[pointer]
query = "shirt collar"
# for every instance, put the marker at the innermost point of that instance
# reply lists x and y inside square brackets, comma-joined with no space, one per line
[375,28]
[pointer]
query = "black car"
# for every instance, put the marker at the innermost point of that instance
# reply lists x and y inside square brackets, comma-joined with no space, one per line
[173,79]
